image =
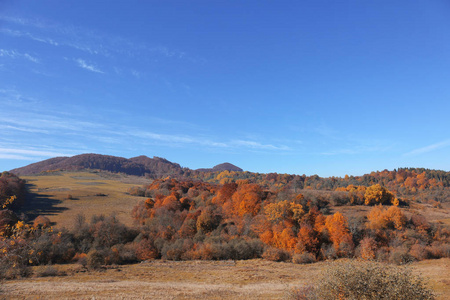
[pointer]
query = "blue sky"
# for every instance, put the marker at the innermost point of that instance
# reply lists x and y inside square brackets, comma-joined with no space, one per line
[300,87]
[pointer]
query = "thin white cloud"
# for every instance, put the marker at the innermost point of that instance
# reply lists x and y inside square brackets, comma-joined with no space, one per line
[23,21]
[31,152]
[31,120]
[429,148]
[257,145]
[82,64]
[16,157]
[184,139]
[86,40]
[20,33]
[31,58]
[23,129]
[15,54]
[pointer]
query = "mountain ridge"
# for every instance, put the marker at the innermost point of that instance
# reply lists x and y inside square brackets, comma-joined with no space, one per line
[139,166]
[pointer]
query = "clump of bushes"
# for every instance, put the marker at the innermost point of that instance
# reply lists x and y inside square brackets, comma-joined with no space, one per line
[275,254]
[50,271]
[353,279]
[304,258]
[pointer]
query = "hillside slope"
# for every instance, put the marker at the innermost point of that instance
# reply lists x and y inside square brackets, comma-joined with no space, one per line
[155,167]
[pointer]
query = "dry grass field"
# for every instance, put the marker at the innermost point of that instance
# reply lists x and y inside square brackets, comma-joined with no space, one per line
[252,279]
[91,193]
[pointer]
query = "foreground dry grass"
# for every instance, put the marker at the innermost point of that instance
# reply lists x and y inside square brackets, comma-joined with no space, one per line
[253,279]
[50,196]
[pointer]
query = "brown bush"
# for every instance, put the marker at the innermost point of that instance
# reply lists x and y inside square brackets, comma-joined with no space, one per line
[95,259]
[146,250]
[50,271]
[304,258]
[41,221]
[275,254]
[368,280]
[80,258]
[419,252]
[400,256]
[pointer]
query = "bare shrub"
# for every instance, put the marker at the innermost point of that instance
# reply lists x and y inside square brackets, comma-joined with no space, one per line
[95,259]
[275,254]
[400,256]
[13,269]
[438,250]
[246,249]
[349,279]
[304,258]
[419,252]
[80,258]
[50,271]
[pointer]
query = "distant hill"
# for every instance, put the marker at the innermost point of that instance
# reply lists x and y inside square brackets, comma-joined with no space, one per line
[222,167]
[155,167]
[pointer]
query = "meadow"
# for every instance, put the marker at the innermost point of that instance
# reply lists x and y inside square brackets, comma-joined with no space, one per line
[61,196]
[250,279]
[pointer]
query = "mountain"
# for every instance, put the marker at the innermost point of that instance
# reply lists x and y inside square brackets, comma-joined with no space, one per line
[155,167]
[222,167]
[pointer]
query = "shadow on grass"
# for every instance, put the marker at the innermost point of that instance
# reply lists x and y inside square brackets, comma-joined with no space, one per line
[39,204]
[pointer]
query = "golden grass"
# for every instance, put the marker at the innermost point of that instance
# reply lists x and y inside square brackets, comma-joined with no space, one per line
[252,279]
[51,196]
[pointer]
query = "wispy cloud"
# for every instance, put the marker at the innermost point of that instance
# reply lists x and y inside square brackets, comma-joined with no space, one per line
[23,129]
[26,34]
[31,152]
[86,40]
[82,64]
[178,140]
[429,148]
[32,124]
[257,145]
[16,54]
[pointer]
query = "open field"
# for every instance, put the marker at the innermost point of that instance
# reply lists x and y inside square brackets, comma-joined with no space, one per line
[91,193]
[252,279]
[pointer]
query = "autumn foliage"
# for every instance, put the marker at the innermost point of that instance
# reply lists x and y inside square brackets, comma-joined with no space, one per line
[275,216]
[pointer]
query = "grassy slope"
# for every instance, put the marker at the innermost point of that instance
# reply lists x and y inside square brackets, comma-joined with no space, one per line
[50,196]
[253,279]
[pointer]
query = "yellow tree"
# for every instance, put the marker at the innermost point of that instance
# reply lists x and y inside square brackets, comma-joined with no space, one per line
[377,194]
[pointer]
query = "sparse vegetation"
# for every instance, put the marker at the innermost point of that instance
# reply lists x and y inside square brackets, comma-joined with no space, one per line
[355,280]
